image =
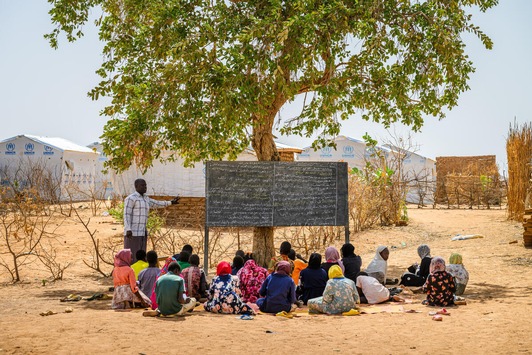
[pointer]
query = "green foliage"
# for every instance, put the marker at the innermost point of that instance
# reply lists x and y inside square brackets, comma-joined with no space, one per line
[203,79]
[154,224]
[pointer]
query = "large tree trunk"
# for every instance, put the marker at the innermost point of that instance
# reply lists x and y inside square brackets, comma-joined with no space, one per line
[264,146]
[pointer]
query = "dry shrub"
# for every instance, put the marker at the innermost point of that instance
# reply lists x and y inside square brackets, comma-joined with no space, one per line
[27,232]
[309,239]
[519,152]
[223,242]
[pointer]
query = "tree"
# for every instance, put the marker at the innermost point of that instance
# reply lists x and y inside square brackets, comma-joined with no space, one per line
[204,79]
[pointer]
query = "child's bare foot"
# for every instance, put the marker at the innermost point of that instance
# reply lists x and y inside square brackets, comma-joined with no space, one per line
[398,299]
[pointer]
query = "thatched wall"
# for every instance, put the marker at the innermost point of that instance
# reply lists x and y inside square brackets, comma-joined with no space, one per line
[461,180]
[519,152]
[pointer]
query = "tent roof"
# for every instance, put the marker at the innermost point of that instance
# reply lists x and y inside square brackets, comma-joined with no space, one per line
[56,142]
[358,141]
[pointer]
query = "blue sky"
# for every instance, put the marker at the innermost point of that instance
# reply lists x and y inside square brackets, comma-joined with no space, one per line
[44,91]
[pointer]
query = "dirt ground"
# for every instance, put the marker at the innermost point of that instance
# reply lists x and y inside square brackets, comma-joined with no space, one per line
[496,318]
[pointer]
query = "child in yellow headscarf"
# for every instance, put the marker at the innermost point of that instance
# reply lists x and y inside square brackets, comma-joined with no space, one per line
[340,294]
[460,274]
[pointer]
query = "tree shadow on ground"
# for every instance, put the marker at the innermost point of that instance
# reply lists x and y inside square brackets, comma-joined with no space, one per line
[484,292]
[97,304]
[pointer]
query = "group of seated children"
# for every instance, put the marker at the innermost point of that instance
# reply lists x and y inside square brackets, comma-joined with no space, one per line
[333,286]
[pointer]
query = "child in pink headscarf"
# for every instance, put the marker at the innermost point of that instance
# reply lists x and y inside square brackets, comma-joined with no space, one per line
[440,286]
[126,293]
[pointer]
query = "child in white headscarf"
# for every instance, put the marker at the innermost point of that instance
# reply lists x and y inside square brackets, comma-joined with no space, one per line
[377,267]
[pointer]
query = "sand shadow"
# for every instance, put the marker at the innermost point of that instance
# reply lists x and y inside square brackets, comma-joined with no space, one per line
[484,292]
[96,304]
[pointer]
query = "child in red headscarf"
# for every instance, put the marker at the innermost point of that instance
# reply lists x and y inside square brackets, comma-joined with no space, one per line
[223,295]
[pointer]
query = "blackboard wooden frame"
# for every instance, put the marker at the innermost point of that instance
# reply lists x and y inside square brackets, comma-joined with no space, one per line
[267,193]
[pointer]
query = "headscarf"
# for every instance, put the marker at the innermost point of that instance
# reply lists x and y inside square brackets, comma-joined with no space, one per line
[164,269]
[455,258]
[251,278]
[378,264]
[423,251]
[335,272]
[348,250]
[437,264]
[223,268]
[123,258]
[314,261]
[333,256]
[283,268]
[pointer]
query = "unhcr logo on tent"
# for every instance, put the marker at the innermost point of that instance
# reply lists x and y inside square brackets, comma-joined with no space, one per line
[10,149]
[29,149]
[48,150]
[348,152]
[326,152]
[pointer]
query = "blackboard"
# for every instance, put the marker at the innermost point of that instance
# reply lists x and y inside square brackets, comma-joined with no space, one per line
[262,194]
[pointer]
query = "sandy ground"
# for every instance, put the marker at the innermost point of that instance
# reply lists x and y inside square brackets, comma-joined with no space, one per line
[495,320]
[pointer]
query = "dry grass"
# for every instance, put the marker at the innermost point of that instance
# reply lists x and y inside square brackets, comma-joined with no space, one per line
[519,151]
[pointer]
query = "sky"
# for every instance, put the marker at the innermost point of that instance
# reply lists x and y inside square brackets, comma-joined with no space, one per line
[44,91]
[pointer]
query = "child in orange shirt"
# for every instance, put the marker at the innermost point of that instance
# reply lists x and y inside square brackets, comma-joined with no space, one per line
[126,292]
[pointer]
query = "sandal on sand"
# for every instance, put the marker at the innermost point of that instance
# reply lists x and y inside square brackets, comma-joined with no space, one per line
[151,313]
[246,317]
[437,318]
[443,312]
[47,313]
[285,314]
[71,298]
[352,312]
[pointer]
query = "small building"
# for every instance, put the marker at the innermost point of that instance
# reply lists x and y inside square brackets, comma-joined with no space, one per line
[59,168]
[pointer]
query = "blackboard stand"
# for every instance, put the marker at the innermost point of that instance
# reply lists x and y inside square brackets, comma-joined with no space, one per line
[346,229]
[206,251]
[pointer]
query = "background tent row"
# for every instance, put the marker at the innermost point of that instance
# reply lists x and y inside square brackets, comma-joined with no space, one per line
[78,172]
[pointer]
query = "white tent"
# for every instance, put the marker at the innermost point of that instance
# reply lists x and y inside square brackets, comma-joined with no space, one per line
[418,171]
[171,178]
[350,150]
[70,168]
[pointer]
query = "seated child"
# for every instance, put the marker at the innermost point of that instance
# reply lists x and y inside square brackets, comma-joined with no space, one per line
[460,274]
[417,274]
[140,264]
[278,290]
[148,276]
[183,260]
[195,281]
[378,266]
[332,257]
[126,292]
[352,262]
[251,277]
[440,286]
[299,265]
[313,279]
[371,291]
[340,294]
[223,296]
[238,262]
[170,291]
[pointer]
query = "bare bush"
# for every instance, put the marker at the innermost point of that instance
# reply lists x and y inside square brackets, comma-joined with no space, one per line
[25,224]
[102,252]
[48,257]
